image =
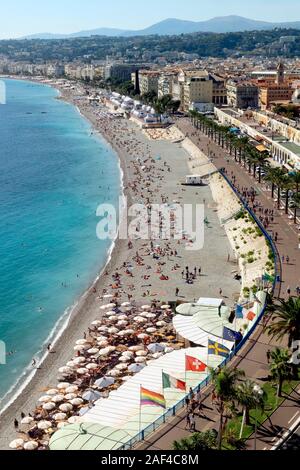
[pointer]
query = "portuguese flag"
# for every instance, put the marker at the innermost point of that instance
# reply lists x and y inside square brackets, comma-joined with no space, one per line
[172,382]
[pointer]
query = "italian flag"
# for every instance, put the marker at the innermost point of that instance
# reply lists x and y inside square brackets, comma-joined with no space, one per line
[172,382]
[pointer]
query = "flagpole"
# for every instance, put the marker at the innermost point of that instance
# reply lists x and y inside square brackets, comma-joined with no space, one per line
[140,414]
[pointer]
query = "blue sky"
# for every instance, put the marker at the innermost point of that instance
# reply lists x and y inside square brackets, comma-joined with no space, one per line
[21,17]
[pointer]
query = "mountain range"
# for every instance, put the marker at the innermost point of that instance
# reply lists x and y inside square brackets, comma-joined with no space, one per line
[171,26]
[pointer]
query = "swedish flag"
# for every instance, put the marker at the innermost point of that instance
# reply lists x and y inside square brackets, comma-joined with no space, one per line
[217,349]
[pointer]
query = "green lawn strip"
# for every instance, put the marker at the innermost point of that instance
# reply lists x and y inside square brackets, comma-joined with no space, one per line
[271,405]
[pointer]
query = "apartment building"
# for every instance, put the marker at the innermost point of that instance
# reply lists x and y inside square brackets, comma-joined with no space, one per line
[242,94]
[148,81]
[196,87]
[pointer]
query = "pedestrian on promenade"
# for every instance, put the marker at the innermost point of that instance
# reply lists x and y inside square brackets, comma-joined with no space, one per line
[192,423]
[283,259]
[288,291]
[188,421]
[287,260]
[177,292]
[16,424]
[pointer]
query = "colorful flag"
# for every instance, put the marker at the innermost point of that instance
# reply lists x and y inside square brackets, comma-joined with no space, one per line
[268,278]
[231,335]
[251,316]
[217,349]
[239,312]
[172,382]
[149,398]
[194,365]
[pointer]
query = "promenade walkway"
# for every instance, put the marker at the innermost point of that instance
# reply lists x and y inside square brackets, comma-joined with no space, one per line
[253,357]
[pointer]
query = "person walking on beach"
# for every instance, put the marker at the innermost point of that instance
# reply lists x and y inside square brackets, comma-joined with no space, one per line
[16,424]
[177,292]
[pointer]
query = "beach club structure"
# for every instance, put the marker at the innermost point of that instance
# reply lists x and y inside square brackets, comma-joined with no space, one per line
[159,387]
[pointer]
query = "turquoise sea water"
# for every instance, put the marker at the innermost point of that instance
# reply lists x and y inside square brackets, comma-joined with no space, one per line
[53,175]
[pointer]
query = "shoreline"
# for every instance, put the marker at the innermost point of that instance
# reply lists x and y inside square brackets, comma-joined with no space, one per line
[85,310]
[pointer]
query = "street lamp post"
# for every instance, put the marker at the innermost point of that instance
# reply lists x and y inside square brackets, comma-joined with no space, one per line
[259,392]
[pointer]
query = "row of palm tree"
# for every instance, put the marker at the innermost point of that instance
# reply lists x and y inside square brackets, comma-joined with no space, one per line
[255,161]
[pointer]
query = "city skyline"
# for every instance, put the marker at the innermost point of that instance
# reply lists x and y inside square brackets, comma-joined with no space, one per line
[73,16]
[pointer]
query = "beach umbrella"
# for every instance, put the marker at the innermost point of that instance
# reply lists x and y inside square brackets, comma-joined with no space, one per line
[161,323]
[103,329]
[122,323]
[137,348]
[82,371]
[31,445]
[49,406]
[83,411]
[76,402]
[157,355]
[104,382]
[91,395]
[169,350]
[113,319]
[143,336]
[72,389]
[71,364]
[151,330]
[129,332]
[66,407]
[96,323]
[121,367]
[103,344]
[73,419]
[59,416]
[61,425]
[65,370]
[113,331]
[17,444]
[92,366]
[146,307]
[80,348]
[114,373]
[155,347]
[151,315]
[140,360]
[93,351]
[110,312]
[125,359]
[44,425]
[129,354]
[108,296]
[126,304]
[141,353]
[52,391]
[27,420]
[45,399]
[165,307]
[135,368]
[123,317]
[188,309]
[104,352]
[71,396]
[58,398]
[79,360]
[81,342]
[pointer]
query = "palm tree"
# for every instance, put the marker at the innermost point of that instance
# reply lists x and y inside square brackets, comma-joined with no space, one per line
[296,204]
[296,180]
[248,399]
[281,368]
[276,176]
[225,382]
[286,321]
[198,441]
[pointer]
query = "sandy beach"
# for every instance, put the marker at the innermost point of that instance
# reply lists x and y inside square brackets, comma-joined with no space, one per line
[153,169]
